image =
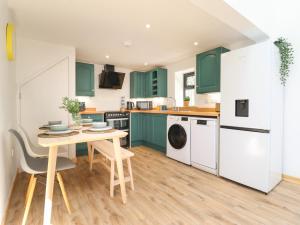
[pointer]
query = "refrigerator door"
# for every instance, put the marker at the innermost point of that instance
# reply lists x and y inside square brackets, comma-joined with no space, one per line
[244,157]
[246,87]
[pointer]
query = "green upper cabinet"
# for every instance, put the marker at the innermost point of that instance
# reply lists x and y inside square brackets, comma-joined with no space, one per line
[85,79]
[137,82]
[158,83]
[149,84]
[208,70]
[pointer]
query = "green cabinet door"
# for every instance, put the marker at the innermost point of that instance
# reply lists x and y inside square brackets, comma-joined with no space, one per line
[208,70]
[162,82]
[148,84]
[147,128]
[137,84]
[159,132]
[133,84]
[85,79]
[136,129]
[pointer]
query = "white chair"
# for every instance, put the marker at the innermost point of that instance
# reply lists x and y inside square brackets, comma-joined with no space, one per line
[32,150]
[36,166]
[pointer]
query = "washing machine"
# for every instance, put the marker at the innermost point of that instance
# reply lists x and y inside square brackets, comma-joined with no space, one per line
[178,138]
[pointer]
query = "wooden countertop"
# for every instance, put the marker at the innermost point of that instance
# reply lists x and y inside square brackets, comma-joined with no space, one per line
[181,113]
[91,112]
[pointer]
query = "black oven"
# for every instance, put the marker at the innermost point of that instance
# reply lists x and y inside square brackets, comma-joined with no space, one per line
[120,121]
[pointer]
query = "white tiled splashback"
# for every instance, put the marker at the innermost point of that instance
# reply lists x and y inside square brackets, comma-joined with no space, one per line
[203,100]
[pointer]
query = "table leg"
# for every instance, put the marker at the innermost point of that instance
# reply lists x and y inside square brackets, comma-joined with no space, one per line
[89,147]
[50,184]
[116,143]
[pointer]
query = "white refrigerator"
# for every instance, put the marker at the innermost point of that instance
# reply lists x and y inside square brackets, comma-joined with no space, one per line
[251,119]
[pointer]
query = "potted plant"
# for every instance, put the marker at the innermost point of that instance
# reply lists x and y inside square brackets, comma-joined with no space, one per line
[286,56]
[186,101]
[73,107]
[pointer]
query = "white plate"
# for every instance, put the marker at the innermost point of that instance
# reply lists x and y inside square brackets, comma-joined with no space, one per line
[59,132]
[100,129]
[86,123]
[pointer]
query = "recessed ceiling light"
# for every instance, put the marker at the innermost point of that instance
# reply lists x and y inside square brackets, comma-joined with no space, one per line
[107,56]
[195,43]
[145,64]
[148,26]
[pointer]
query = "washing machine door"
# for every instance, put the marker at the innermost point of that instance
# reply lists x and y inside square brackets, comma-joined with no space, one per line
[177,136]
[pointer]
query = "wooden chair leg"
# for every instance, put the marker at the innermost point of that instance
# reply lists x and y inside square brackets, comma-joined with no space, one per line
[28,188]
[63,190]
[130,173]
[112,177]
[92,157]
[31,188]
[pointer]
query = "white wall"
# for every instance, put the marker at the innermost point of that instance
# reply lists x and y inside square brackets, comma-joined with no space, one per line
[7,114]
[281,18]
[175,83]
[108,99]
[45,74]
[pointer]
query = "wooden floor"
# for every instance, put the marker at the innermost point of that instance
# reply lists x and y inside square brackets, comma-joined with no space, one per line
[167,192]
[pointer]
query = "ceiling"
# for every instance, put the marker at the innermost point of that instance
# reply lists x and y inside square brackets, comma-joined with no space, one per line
[97,28]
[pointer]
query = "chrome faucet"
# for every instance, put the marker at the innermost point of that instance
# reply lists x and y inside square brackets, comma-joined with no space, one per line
[174,104]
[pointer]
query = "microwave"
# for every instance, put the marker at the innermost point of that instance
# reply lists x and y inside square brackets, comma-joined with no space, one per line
[144,105]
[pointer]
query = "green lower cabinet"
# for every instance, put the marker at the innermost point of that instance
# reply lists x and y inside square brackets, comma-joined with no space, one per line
[149,130]
[81,148]
[135,129]
[160,132]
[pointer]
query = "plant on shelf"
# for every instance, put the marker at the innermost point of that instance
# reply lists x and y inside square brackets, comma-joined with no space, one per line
[286,57]
[73,107]
[186,101]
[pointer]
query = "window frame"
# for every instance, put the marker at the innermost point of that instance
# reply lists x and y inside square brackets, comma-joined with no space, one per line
[185,86]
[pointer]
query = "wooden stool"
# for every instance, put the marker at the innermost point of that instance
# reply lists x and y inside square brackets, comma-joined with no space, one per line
[106,149]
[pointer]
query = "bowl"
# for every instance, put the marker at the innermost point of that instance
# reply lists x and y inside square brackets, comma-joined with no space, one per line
[99,124]
[58,127]
[87,120]
[54,122]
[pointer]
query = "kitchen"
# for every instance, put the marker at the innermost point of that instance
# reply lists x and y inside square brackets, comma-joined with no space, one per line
[199,121]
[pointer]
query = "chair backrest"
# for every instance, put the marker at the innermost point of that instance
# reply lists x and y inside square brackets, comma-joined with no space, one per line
[28,144]
[25,158]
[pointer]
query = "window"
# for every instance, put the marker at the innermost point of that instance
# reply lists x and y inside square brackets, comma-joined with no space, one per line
[189,81]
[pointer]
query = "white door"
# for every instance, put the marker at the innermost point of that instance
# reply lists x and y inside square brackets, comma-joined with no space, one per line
[245,74]
[244,157]
[204,142]
[41,98]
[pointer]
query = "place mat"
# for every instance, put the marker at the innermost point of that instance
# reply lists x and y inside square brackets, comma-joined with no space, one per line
[98,132]
[45,135]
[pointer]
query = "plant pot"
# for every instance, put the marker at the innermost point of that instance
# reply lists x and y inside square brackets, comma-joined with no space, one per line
[186,103]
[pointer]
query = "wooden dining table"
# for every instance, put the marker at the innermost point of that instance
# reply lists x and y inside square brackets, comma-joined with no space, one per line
[53,142]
